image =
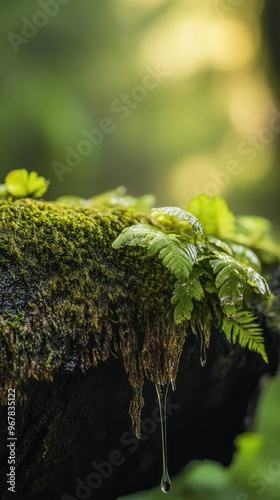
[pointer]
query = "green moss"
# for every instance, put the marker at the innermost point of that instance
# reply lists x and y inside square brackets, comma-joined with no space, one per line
[68,299]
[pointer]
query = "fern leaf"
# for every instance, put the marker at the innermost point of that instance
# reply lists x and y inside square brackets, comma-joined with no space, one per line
[230,283]
[246,331]
[245,256]
[232,279]
[176,256]
[257,281]
[183,296]
[182,302]
[181,215]
[220,244]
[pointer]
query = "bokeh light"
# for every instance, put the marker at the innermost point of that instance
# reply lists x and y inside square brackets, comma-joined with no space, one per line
[213,94]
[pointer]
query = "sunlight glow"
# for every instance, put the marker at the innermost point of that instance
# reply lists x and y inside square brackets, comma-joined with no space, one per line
[250,103]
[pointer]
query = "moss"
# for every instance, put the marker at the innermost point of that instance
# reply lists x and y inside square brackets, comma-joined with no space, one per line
[68,299]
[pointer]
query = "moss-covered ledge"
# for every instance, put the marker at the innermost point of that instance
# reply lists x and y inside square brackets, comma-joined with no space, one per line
[68,300]
[88,281]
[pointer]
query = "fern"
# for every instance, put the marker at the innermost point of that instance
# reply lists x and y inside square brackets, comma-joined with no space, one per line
[178,257]
[216,243]
[246,331]
[184,294]
[232,277]
[224,264]
[212,275]
[245,256]
[180,215]
[258,282]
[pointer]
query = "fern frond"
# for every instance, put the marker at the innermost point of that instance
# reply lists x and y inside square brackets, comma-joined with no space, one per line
[245,256]
[176,256]
[246,331]
[230,283]
[181,215]
[183,296]
[220,244]
[232,277]
[258,282]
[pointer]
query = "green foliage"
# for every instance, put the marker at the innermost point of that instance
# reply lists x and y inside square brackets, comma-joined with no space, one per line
[256,232]
[181,215]
[241,233]
[245,255]
[21,184]
[214,215]
[176,256]
[209,272]
[201,248]
[245,328]
[184,294]
[253,229]
[117,197]
[231,279]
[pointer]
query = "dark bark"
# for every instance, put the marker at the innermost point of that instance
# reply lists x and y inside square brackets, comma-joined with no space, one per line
[83,418]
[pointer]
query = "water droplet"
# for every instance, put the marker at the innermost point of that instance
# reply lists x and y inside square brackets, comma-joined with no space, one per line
[165,485]
[203,358]
[162,397]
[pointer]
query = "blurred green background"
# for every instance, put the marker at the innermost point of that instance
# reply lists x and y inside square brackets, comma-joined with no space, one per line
[68,65]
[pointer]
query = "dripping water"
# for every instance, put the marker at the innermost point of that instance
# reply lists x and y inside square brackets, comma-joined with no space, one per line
[203,357]
[162,397]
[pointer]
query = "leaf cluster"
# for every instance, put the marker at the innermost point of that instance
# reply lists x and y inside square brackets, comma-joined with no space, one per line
[215,278]
[115,198]
[21,184]
[215,258]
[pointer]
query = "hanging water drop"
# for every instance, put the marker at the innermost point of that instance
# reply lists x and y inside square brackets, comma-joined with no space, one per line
[203,356]
[202,351]
[165,486]
[162,397]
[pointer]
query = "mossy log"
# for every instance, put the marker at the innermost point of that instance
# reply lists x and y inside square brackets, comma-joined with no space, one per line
[70,303]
